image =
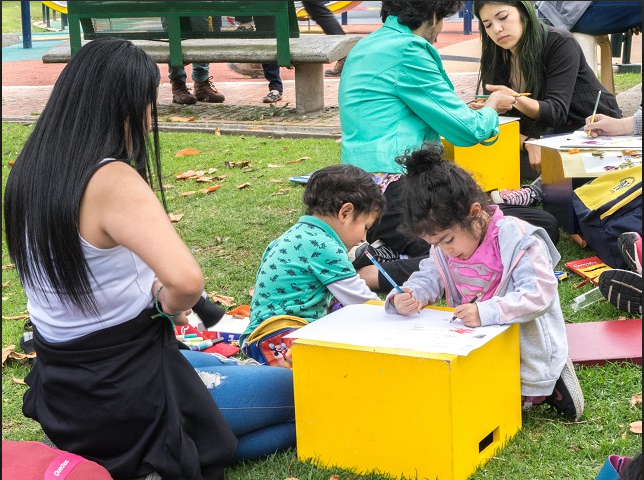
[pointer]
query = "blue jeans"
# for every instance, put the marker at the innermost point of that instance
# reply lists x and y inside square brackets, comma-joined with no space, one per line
[272,74]
[256,401]
[602,18]
[200,71]
[609,17]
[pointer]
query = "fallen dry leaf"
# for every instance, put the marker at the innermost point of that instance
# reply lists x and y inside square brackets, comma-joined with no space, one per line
[210,189]
[217,131]
[6,351]
[203,179]
[18,380]
[301,159]
[636,427]
[335,477]
[257,127]
[6,284]
[241,163]
[17,317]
[182,119]
[636,400]
[243,185]
[223,299]
[275,180]
[11,162]
[241,311]
[186,175]
[270,165]
[185,194]
[9,266]
[175,218]
[219,178]
[211,170]
[187,151]
[251,292]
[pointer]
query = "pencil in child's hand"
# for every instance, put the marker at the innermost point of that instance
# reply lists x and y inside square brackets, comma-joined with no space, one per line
[592,119]
[474,300]
[384,274]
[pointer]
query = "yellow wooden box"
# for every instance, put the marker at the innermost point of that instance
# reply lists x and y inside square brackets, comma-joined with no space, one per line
[496,166]
[406,413]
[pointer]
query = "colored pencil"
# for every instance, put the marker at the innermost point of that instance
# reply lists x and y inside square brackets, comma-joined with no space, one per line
[592,119]
[384,274]
[474,300]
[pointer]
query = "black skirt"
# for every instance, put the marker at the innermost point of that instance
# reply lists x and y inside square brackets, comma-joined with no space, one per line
[126,398]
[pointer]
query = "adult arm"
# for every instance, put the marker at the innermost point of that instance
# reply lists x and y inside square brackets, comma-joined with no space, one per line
[421,84]
[119,208]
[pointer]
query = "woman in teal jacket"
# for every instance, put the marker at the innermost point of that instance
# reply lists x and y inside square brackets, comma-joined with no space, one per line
[394,96]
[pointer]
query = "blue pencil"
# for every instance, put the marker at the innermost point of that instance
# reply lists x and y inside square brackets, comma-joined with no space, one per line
[384,274]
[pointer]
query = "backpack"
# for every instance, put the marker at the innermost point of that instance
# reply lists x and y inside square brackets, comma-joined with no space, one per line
[267,344]
[607,207]
[37,461]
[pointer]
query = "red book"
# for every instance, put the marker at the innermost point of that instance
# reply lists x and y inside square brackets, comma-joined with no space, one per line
[588,268]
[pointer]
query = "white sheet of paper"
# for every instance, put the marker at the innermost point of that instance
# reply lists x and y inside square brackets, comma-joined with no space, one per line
[594,164]
[581,139]
[370,326]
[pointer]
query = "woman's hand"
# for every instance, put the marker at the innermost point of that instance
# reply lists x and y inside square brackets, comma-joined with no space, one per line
[534,155]
[468,313]
[605,125]
[406,303]
[502,99]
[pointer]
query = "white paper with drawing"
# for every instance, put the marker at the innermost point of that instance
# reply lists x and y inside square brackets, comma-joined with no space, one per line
[370,326]
[580,139]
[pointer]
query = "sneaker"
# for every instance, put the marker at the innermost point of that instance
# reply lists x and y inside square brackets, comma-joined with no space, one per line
[623,289]
[520,196]
[206,92]
[382,254]
[272,97]
[567,397]
[630,244]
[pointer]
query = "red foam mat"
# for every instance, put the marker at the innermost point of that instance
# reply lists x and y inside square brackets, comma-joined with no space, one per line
[595,343]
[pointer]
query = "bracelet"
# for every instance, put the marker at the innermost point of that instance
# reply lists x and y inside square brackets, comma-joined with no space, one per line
[161,312]
[526,140]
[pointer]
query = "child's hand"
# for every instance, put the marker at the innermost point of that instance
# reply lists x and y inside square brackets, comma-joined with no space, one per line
[468,313]
[406,303]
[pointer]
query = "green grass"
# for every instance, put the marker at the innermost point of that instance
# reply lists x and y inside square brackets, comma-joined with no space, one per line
[228,231]
[12,20]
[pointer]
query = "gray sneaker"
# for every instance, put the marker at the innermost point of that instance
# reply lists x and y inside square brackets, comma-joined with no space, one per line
[272,97]
[567,397]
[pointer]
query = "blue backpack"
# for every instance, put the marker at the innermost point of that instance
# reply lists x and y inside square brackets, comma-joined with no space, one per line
[607,207]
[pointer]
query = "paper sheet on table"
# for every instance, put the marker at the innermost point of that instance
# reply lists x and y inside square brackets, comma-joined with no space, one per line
[580,139]
[595,164]
[370,326]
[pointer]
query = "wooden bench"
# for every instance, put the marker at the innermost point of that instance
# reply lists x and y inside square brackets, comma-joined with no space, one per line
[308,53]
[176,24]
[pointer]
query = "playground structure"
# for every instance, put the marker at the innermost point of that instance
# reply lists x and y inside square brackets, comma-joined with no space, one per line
[336,7]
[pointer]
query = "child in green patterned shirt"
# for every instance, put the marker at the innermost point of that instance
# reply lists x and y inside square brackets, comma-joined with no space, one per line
[305,268]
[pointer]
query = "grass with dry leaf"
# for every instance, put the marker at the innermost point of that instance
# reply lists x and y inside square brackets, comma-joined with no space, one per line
[228,228]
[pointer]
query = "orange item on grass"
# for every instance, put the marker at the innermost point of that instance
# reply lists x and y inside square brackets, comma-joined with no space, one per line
[241,311]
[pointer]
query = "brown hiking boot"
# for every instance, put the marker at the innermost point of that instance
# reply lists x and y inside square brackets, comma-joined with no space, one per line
[181,94]
[253,70]
[206,92]
[336,70]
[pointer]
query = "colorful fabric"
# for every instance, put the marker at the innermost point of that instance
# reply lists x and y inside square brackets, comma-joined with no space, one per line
[481,273]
